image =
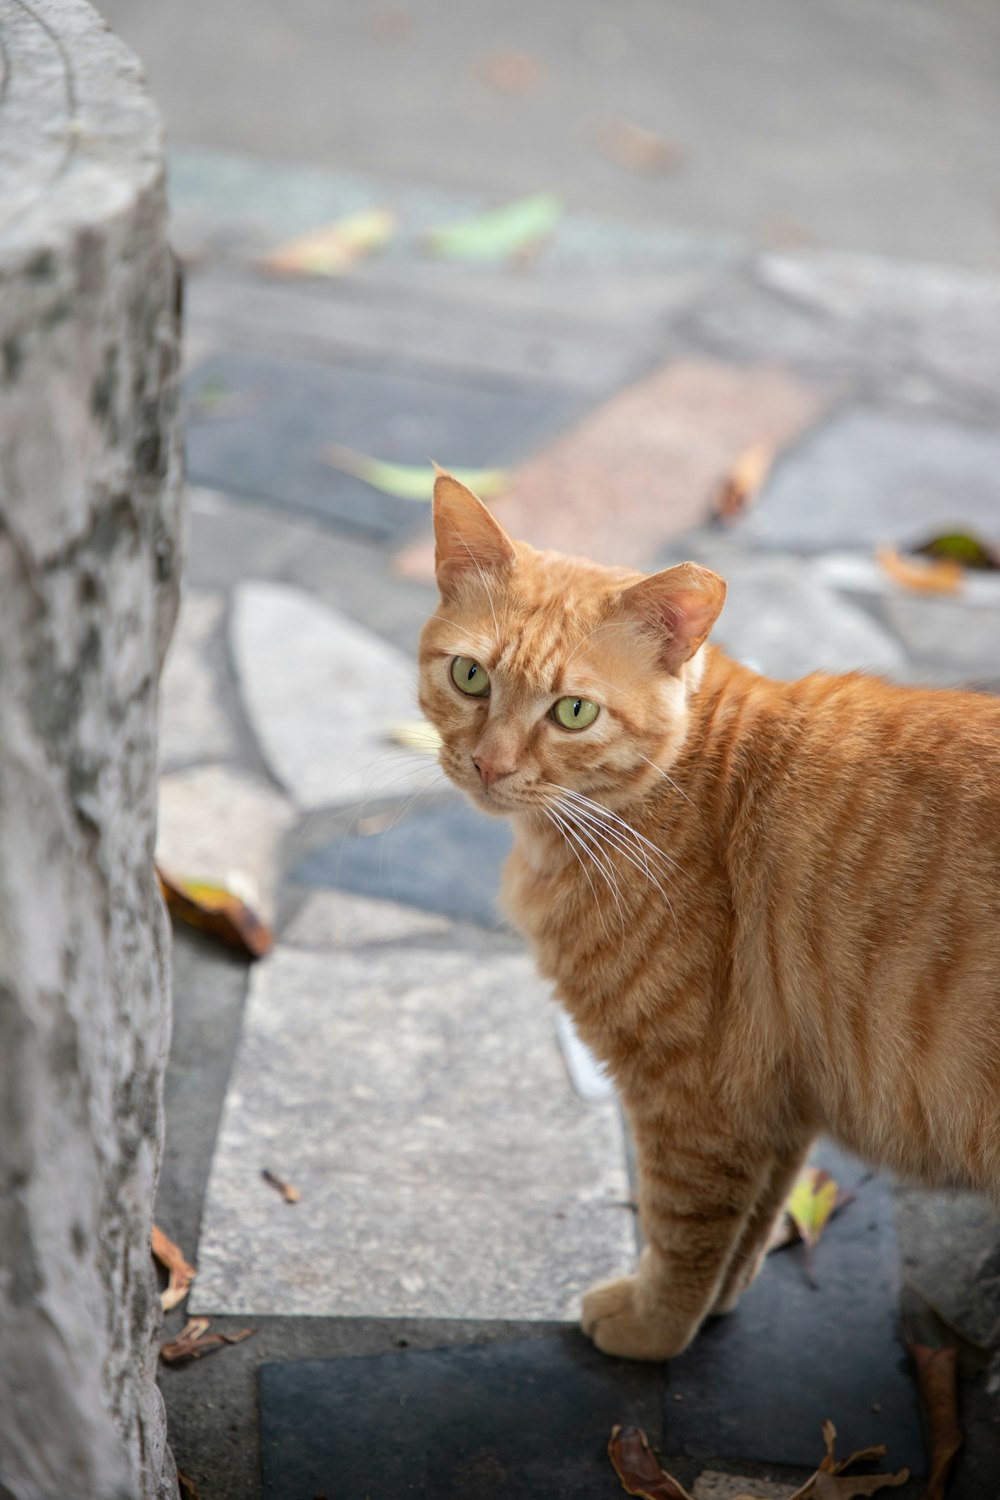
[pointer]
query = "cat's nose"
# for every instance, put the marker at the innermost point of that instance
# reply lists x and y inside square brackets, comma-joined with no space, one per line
[492,768]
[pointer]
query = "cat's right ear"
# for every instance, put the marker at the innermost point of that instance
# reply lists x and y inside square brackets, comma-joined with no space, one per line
[678,608]
[467,539]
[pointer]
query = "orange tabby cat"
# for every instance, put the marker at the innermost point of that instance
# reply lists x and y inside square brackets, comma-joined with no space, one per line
[772,907]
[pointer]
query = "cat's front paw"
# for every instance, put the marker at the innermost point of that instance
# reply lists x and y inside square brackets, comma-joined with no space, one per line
[611,1317]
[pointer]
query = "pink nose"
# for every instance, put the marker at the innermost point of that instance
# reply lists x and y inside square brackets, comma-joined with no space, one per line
[492,769]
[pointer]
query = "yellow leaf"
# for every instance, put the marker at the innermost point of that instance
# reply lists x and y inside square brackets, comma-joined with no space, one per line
[217,910]
[336,247]
[811,1202]
[416,734]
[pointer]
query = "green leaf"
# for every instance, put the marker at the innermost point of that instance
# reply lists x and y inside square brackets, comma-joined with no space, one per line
[409,481]
[516,229]
[961,547]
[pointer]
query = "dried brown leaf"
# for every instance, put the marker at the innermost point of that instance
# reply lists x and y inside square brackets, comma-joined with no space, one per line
[182,1273]
[637,1468]
[638,149]
[216,910]
[510,72]
[846,1486]
[937,576]
[744,481]
[194,1341]
[937,1375]
[188,1486]
[288,1192]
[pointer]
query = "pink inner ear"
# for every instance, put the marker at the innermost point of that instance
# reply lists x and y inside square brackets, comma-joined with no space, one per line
[681,604]
[468,540]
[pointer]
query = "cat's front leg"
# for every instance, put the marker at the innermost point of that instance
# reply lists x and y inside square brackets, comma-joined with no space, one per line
[698,1191]
[751,1250]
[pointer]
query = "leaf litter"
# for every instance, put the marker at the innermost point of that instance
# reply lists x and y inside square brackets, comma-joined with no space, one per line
[181,1272]
[416,734]
[515,231]
[217,910]
[744,482]
[641,1474]
[409,481]
[510,72]
[194,1341]
[288,1192]
[813,1201]
[334,248]
[638,149]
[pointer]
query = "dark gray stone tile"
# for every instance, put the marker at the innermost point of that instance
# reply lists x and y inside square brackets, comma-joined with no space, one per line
[526,1420]
[447,860]
[758,1384]
[262,425]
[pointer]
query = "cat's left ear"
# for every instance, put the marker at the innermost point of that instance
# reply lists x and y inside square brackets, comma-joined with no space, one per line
[680,606]
[467,538]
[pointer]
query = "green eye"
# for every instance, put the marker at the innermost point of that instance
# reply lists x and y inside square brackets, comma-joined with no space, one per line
[575,713]
[469,677]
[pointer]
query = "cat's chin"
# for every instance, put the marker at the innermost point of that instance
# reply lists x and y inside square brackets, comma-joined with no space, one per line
[491,802]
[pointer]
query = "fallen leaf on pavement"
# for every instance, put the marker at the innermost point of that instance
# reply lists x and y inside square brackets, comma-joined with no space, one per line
[744,482]
[937,1375]
[217,910]
[516,230]
[936,576]
[333,249]
[809,1206]
[641,1475]
[416,734]
[194,1341]
[847,1486]
[188,1486]
[637,1468]
[786,1230]
[638,149]
[961,547]
[831,1483]
[923,1322]
[510,72]
[288,1192]
[408,481]
[182,1273]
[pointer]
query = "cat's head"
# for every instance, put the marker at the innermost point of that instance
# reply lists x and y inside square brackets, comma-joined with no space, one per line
[545,673]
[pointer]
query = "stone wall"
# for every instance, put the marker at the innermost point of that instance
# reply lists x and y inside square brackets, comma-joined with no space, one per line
[89,556]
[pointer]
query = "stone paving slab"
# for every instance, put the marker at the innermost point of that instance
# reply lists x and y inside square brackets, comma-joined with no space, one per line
[647,464]
[193,723]
[322,694]
[363,319]
[258,427]
[527,1419]
[868,476]
[446,860]
[758,1384]
[220,823]
[419,1102]
[782,618]
[334,919]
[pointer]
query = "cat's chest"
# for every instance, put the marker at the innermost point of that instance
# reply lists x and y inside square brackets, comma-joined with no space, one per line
[581,924]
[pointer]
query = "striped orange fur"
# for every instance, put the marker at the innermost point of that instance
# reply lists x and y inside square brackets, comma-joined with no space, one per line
[772,907]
